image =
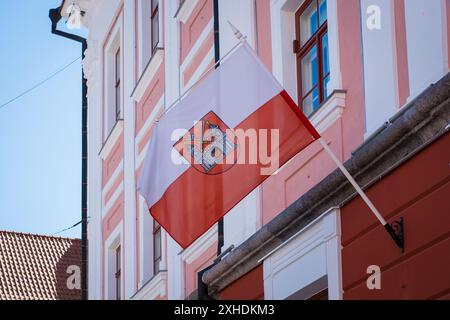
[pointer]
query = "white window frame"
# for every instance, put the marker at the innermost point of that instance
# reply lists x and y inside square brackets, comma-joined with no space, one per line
[114,240]
[284,61]
[146,243]
[114,43]
[146,248]
[145,31]
[310,260]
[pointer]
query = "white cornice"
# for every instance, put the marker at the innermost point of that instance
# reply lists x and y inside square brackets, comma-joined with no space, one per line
[111,140]
[153,289]
[329,111]
[200,245]
[185,11]
[148,75]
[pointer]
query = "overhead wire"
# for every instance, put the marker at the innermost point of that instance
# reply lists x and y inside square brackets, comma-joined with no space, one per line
[69,228]
[39,83]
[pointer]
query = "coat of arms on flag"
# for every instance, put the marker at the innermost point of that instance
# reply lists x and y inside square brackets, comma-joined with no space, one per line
[209,146]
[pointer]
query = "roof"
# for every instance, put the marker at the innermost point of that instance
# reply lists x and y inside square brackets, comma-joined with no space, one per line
[34,267]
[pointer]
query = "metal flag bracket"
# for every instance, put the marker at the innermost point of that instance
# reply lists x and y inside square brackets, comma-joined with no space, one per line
[238,34]
[396,231]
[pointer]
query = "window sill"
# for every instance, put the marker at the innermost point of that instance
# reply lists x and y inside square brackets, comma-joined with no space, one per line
[185,10]
[329,111]
[148,75]
[154,288]
[199,246]
[111,140]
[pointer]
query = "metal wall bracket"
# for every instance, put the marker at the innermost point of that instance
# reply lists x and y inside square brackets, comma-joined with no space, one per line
[396,231]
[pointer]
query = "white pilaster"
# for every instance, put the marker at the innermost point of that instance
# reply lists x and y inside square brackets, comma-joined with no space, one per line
[129,145]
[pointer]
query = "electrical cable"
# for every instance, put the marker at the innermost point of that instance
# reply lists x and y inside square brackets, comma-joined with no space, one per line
[67,229]
[39,84]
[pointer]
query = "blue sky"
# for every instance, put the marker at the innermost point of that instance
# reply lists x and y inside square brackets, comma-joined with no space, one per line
[40,143]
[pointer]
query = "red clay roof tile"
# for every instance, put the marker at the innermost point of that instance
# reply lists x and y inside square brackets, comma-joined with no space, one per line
[34,267]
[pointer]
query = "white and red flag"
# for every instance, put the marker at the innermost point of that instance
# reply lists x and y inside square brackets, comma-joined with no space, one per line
[231,132]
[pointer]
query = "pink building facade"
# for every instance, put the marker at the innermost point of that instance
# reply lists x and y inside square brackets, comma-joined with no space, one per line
[350,64]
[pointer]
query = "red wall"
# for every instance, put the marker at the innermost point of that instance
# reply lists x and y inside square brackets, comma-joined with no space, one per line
[249,287]
[419,191]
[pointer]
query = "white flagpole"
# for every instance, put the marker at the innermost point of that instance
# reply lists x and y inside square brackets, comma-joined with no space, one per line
[353,182]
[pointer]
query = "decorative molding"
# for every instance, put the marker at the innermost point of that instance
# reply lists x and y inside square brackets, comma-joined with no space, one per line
[201,70]
[111,140]
[112,179]
[90,62]
[330,110]
[185,10]
[106,209]
[90,8]
[141,156]
[199,42]
[301,232]
[150,121]
[200,245]
[148,75]
[154,288]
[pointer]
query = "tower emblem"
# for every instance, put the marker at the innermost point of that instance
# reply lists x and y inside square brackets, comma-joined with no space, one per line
[209,146]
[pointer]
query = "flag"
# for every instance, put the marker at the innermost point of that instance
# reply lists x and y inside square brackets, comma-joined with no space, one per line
[230,133]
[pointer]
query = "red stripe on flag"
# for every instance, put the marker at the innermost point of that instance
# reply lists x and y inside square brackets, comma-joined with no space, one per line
[300,114]
[194,202]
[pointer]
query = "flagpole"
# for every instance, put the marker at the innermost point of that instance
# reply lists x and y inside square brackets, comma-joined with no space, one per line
[353,182]
[398,238]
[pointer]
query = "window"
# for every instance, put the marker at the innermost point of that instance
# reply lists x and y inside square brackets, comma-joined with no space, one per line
[118,102]
[154,22]
[113,86]
[118,274]
[156,247]
[312,54]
